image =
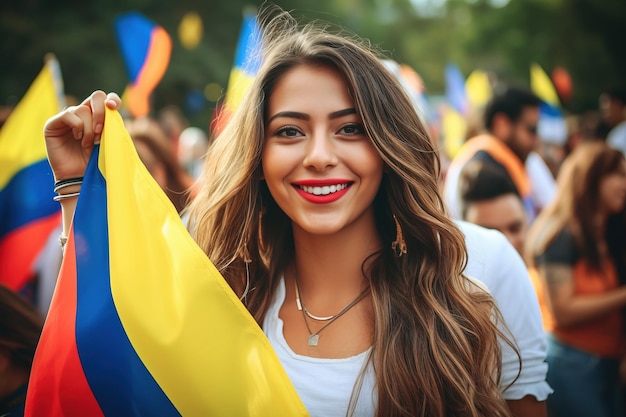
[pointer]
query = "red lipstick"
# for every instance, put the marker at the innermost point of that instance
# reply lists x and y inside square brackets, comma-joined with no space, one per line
[319,191]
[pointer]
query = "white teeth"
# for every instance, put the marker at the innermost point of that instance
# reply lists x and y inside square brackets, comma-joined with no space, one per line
[325,190]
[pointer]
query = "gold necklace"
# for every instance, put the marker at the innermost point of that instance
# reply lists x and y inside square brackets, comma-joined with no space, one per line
[314,336]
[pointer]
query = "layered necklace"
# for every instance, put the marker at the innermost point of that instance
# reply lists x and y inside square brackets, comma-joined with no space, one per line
[314,336]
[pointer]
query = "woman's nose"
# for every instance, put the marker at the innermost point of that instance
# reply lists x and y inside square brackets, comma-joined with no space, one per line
[320,152]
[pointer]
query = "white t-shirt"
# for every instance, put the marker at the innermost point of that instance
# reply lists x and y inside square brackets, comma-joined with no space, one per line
[494,261]
[325,385]
[542,182]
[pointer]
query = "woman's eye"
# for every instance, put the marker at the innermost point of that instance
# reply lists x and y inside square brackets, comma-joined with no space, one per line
[289,132]
[352,129]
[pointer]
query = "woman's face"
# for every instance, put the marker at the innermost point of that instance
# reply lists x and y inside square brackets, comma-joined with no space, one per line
[318,163]
[612,190]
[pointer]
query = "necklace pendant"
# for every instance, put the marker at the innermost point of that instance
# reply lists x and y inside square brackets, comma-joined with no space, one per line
[313,340]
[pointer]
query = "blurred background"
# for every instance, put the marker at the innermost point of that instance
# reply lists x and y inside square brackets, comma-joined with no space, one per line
[583,40]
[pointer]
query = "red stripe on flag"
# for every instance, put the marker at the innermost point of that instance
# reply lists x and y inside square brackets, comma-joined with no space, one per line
[58,387]
[20,248]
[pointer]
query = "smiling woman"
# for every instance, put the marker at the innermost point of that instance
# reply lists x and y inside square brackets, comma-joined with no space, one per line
[320,207]
[322,171]
[315,143]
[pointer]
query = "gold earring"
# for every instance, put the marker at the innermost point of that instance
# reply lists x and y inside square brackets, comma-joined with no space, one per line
[398,245]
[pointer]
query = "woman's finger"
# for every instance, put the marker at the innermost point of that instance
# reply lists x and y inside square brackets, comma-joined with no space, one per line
[97,104]
[113,101]
[62,123]
[88,137]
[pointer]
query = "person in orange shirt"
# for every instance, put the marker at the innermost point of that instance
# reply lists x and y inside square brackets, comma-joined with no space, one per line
[568,245]
[511,119]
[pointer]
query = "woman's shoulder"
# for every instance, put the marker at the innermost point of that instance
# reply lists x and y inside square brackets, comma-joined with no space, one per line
[561,249]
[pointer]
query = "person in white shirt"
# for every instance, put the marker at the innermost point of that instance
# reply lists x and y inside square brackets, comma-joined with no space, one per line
[490,200]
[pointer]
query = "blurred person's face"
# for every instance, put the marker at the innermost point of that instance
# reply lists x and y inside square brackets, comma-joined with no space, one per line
[612,191]
[612,110]
[504,213]
[523,138]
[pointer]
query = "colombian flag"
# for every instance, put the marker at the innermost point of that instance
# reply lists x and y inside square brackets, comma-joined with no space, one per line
[27,212]
[478,89]
[248,59]
[453,113]
[552,126]
[146,48]
[141,322]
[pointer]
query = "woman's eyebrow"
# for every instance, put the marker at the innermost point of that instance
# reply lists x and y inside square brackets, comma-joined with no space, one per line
[290,114]
[303,116]
[341,113]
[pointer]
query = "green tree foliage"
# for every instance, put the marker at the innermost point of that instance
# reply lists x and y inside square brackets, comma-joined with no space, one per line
[583,36]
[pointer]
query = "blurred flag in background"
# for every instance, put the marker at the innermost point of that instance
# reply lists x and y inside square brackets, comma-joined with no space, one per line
[146,49]
[454,110]
[27,212]
[248,59]
[552,127]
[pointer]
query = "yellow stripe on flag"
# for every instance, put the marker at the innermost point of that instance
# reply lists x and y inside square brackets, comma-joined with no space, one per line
[238,85]
[194,336]
[478,89]
[542,86]
[454,128]
[21,136]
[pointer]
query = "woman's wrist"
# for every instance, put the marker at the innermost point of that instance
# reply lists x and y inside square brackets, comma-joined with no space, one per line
[65,183]
[67,188]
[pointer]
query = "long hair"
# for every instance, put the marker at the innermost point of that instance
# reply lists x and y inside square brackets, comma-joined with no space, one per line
[20,328]
[435,350]
[577,202]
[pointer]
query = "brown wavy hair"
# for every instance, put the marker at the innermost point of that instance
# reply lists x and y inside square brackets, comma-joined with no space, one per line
[435,350]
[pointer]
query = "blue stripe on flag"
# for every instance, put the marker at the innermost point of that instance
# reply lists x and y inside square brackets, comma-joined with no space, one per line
[27,197]
[118,378]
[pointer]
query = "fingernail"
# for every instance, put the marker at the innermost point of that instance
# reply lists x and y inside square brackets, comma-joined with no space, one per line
[79,135]
[98,129]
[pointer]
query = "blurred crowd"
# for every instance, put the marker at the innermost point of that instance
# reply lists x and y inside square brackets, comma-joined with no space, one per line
[561,204]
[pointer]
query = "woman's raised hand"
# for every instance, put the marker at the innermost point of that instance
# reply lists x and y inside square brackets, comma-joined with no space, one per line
[71,134]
